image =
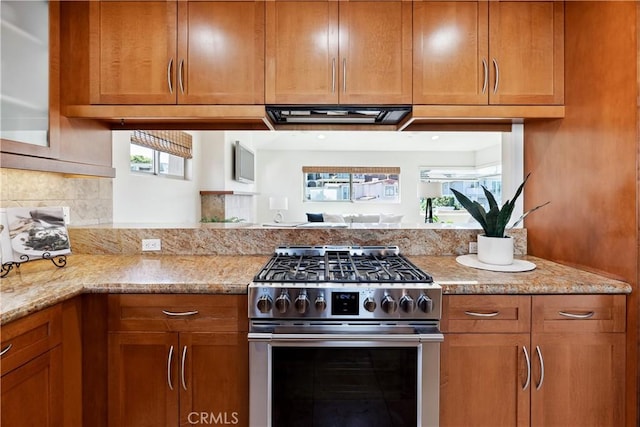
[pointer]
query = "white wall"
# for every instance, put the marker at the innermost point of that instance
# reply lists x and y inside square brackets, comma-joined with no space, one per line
[141,198]
[280,174]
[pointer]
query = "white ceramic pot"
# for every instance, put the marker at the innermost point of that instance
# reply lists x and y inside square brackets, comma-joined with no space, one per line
[495,250]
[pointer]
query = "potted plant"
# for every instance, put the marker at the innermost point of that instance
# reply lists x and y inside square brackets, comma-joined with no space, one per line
[494,247]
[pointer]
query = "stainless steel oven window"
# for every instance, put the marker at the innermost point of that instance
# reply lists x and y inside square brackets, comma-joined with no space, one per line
[427,381]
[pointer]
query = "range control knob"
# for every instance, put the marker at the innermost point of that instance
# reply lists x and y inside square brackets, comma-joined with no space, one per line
[321,303]
[425,303]
[264,304]
[370,304]
[389,305]
[407,304]
[282,303]
[302,303]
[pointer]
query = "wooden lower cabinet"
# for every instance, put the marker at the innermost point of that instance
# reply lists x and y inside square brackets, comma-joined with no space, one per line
[177,377]
[31,394]
[568,371]
[31,386]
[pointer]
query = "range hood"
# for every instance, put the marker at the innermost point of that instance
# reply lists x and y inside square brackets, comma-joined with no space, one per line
[337,114]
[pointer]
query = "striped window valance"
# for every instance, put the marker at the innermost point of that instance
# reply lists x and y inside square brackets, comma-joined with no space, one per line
[173,142]
[351,169]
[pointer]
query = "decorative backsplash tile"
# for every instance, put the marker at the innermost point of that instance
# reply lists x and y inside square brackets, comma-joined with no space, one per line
[90,200]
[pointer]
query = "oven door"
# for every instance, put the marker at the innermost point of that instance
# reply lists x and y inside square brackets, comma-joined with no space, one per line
[344,375]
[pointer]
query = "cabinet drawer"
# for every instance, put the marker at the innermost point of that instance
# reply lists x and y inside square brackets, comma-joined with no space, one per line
[486,313]
[579,313]
[191,313]
[26,338]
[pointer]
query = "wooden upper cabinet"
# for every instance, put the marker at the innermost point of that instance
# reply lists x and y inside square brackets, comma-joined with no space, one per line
[168,52]
[496,52]
[375,52]
[302,52]
[133,52]
[338,52]
[526,45]
[221,52]
[451,49]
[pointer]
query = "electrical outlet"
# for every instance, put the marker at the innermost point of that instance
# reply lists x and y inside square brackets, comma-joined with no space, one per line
[473,247]
[66,214]
[151,244]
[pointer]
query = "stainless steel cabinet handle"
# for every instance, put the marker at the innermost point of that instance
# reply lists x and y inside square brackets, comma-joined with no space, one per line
[526,357]
[169,362]
[333,75]
[473,313]
[586,315]
[180,73]
[344,75]
[5,350]
[541,359]
[184,357]
[495,66]
[169,68]
[180,314]
[485,68]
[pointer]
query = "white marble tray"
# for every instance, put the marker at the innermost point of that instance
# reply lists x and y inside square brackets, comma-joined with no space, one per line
[471,260]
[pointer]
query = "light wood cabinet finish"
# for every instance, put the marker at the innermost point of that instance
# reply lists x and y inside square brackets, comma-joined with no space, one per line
[569,370]
[338,52]
[168,52]
[498,53]
[164,369]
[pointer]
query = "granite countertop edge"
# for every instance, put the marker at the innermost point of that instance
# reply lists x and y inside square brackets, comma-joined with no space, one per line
[37,285]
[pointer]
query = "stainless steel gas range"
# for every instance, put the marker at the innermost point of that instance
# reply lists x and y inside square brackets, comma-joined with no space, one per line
[343,336]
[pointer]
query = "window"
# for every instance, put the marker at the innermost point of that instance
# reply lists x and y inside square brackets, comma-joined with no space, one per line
[351,184]
[162,153]
[467,181]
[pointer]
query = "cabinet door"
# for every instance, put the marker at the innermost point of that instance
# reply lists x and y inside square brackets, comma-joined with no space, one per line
[483,380]
[583,381]
[526,47]
[143,379]
[214,379]
[31,394]
[221,52]
[133,52]
[375,52]
[302,52]
[450,52]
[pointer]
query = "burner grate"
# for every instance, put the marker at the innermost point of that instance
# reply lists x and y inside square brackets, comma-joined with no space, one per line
[341,266]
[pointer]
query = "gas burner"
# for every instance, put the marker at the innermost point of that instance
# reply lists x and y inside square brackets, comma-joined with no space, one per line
[345,264]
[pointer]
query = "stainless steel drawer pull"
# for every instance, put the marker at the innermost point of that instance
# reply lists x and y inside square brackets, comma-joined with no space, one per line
[485,68]
[5,350]
[586,315]
[169,360]
[541,359]
[184,357]
[180,314]
[333,75]
[180,75]
[475,314]
[495,66]
[344,75]
[169,79]
[526,357]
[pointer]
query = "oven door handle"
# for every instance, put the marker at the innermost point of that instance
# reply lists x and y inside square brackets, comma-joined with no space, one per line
[414,338]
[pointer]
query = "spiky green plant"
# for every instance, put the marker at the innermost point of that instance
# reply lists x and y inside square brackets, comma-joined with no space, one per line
[495,221]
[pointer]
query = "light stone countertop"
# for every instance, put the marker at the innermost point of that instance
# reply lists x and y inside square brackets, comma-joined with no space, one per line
[39,284]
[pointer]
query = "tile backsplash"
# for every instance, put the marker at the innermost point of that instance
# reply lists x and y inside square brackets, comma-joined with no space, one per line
[90,200]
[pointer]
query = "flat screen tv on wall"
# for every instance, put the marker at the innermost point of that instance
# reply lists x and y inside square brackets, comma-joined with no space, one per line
[243,164]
